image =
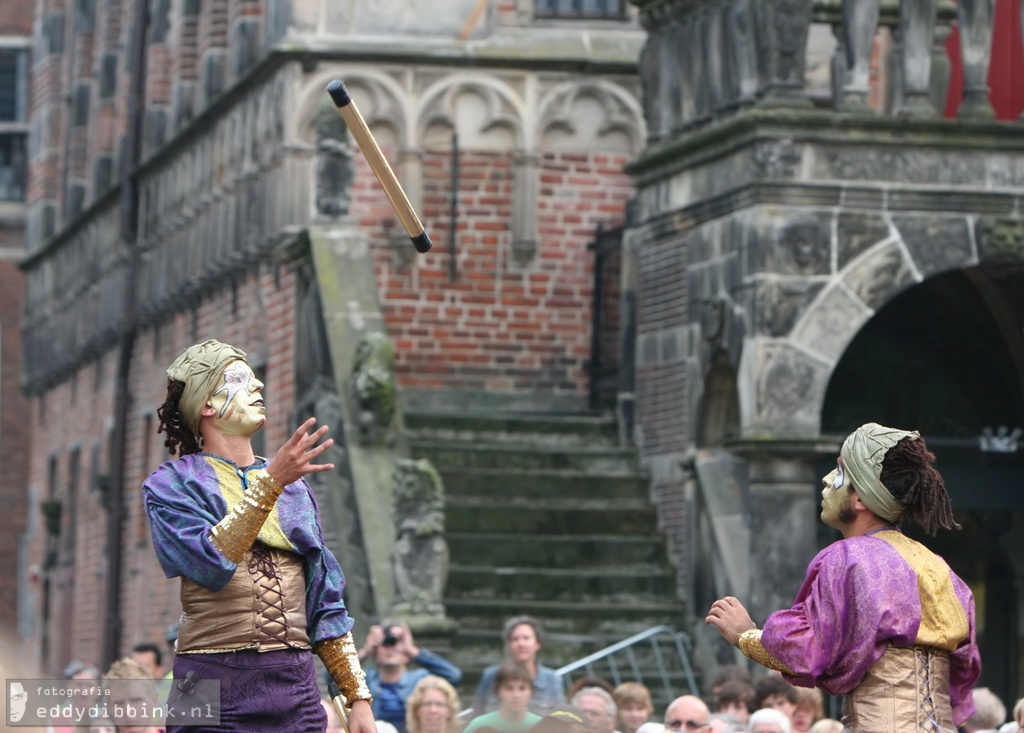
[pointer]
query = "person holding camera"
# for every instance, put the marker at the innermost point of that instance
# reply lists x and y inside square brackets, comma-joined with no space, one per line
[390,680]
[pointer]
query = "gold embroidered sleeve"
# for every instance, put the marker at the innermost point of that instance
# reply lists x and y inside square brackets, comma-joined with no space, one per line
[750,645]
[342,662]
[235,533]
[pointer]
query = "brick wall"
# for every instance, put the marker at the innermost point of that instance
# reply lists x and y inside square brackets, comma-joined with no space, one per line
[661,388]
[14,439]
[15,20]
[498,326]
[78,414]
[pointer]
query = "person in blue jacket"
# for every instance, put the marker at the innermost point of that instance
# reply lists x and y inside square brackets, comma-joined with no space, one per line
[390,680]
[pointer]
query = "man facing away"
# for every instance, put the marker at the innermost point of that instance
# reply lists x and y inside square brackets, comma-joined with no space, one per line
[879,619]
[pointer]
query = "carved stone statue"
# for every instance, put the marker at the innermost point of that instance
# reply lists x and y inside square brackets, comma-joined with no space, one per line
[420,554]
[373,389]
[335,167]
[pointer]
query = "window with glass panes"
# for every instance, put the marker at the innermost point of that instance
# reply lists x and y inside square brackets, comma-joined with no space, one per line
[13,122]
[589,9]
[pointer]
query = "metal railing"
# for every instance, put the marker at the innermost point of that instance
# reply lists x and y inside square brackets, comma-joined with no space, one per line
[668,652]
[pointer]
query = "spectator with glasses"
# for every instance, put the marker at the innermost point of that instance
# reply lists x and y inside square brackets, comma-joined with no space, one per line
[390,680]
[687,714]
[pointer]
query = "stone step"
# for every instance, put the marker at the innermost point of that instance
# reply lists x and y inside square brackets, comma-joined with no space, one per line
[583,621]
[542,483]
[585,430]
[604,585]
[548,516]
[577,550]
[447,455]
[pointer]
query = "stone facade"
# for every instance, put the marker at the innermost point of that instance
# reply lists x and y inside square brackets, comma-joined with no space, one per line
[774,238]
[242,229]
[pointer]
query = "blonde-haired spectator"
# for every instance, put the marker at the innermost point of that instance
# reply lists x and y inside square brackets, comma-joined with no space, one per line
[827,725]
[635,707]
[432,707]
[989,712]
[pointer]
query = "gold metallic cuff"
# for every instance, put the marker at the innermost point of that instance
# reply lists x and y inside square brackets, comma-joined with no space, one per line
[750,645]
[235,533]
[342,662]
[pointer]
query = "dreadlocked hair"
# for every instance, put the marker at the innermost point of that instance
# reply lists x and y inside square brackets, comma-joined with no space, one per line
[908,474]
[181,441]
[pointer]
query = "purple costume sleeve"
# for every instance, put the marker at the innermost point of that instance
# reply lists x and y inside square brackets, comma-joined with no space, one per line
[184,502]
[860,596]
[181,511]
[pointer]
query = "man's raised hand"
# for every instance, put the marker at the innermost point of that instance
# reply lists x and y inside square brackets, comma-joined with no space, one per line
[295,458]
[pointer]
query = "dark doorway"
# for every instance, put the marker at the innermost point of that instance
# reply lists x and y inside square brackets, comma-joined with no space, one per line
[946,357]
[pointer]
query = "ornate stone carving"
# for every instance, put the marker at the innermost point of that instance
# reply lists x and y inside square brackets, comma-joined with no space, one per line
[779,303]
[373,389]
[784,384]
[589,114]
[858,232]
[486,114]
[776,159]
[783,26]
[936,243]
[880,276]
[1000,238]
[802,245]
[420,553]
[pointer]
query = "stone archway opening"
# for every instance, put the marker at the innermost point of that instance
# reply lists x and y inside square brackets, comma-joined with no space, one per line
[946,357]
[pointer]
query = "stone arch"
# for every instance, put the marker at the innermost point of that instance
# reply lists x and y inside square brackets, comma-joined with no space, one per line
[381,100]
[487,113]
[788,377]
[567,110]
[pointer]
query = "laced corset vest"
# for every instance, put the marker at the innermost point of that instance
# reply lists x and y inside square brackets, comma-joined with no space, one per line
[262,607]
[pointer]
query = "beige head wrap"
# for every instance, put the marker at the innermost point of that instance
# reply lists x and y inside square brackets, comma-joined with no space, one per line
[199,368]
[862,455]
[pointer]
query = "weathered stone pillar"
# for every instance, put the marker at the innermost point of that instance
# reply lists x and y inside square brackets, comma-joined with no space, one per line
[975,18]
[860,21]
[743,43]
[651,75]
[783,528]
[524,209]
[938,86]
[671,77]
[916,30]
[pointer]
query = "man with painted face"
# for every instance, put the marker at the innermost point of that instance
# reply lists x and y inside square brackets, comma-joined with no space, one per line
[259,589]
[880,619]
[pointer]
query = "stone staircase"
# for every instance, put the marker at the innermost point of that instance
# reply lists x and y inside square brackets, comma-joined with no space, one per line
[547,516]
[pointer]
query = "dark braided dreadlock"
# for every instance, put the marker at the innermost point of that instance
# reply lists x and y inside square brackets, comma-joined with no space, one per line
[181,441]
[908,474]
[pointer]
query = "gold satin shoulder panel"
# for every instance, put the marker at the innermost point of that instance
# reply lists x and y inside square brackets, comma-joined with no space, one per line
[943,619]
[271,533]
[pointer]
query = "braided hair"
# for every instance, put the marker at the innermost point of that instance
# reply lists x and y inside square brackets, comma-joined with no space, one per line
[908,474]
[181,441]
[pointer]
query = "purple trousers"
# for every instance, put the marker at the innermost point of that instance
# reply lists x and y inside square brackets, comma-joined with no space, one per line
[260,692]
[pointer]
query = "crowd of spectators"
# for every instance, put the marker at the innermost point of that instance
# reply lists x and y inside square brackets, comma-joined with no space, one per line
[416,691]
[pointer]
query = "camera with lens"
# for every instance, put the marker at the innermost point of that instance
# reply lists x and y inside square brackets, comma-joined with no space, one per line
[389,638]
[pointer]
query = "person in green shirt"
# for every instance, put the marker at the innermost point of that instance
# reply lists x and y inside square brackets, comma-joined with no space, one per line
[514,686]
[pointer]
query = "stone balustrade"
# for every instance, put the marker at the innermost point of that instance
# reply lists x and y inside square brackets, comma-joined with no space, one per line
[705,59]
